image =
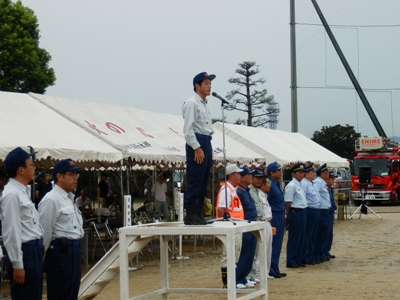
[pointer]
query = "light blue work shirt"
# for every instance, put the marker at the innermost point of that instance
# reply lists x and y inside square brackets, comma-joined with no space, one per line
[59,216]
[312,195]
[295,194]
[20,220]
[197,120]
[323,192]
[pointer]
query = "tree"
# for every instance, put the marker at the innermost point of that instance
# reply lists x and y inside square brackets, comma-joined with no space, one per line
[252,101]
[24,67]
[338,139]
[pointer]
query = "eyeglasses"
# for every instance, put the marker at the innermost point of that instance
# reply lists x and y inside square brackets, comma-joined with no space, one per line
[73,175]
[33,165]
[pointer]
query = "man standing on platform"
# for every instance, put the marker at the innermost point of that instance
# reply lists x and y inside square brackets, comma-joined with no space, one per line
[277,203]
[197,130]
[62,224]
[296,204]
[22,233]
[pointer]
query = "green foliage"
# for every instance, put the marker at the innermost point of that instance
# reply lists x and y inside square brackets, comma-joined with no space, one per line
[251,101]
[23,65]
[338,139]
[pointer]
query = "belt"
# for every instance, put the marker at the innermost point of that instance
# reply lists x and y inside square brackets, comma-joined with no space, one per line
[296,209]
[313,208]
[70,242]
[203,136]
[37,242]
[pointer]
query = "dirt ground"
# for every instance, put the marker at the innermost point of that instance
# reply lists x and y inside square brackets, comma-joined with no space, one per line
[367,266]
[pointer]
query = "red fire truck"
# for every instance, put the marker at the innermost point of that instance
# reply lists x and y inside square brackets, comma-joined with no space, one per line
[383,160]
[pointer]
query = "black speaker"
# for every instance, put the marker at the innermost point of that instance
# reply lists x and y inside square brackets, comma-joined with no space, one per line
[364,175]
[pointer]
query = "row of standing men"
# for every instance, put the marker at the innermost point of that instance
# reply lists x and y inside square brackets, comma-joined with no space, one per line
[40,241]
[307,206]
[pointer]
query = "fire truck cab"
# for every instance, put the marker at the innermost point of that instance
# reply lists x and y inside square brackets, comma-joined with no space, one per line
[385,174]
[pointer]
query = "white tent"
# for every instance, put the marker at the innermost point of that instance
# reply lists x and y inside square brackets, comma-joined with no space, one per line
[145,137]
[283,147]
[25,122]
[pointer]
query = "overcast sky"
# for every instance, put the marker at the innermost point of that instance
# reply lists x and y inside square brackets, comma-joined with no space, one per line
[145,54]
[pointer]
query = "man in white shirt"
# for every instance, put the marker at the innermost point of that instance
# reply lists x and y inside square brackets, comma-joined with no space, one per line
[22,233]
[62,224]
[159,190]
[197,130]
[229,205]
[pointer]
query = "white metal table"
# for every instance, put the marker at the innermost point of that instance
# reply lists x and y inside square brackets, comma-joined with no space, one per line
[224,230]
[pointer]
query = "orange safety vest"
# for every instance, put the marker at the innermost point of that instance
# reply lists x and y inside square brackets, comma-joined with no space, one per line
[235,209]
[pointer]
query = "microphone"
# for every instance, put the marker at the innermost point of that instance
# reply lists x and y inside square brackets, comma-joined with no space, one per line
[220,98]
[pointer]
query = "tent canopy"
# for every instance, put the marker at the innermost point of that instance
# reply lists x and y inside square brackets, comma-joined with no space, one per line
[281,146]
[144,137]
[25,122]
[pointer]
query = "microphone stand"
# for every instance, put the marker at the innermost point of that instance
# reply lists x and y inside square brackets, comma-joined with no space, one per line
[226,216]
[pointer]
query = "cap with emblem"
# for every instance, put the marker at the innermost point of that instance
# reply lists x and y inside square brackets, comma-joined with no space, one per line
[309,168]
[321,168]
[300,167]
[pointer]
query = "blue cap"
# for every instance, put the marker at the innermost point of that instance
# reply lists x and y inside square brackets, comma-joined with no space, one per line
[321,168]
[273,167]
[300,167]
[16,158]
[64,166]
[245,171]
[258,173]
[201,76]
[309,168]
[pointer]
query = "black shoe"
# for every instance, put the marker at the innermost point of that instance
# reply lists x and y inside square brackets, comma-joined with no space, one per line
[200,216]
[332,256]
[310,263]
[224,275]
[317,261]
[301,264]
[191,216]
[277,275]
[326,258]
[292,266]
[193,220]
[282,274]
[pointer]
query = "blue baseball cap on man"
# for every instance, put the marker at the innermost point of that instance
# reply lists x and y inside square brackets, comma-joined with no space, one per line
[16,158]
[245,171]
[64,166]
[274,166]
[202,76]
[258,173]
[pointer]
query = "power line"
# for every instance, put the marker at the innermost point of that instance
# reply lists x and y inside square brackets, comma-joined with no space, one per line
[332,87]
[350,26]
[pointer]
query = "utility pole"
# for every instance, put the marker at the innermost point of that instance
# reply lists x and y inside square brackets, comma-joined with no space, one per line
[293,67]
